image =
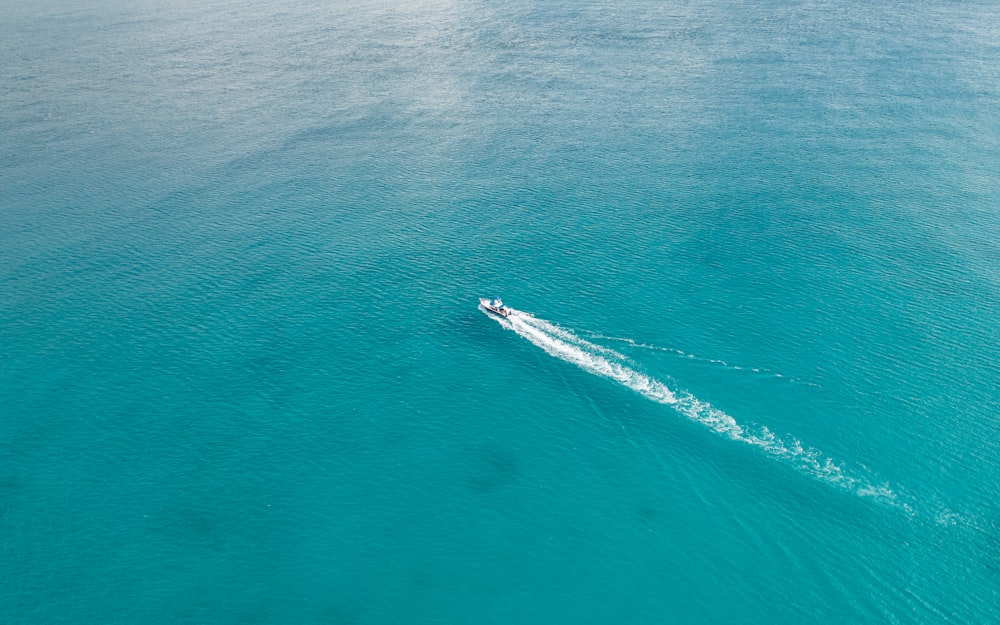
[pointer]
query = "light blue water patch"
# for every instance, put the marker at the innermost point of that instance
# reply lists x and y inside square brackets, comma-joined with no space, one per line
[243,377]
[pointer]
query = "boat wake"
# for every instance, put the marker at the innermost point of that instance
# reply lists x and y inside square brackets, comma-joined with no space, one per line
[603,361]
[689,356]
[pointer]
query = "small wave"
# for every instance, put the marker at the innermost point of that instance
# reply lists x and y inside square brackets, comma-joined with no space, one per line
[689,356]
[598,360]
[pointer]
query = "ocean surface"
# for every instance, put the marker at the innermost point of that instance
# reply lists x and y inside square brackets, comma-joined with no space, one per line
[752,376]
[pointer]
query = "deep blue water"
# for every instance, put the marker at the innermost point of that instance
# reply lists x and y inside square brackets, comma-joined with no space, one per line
[753,376]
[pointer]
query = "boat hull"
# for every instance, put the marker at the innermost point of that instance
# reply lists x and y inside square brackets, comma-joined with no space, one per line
[500,311]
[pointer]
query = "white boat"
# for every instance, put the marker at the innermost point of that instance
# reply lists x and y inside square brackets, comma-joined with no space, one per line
[494,306]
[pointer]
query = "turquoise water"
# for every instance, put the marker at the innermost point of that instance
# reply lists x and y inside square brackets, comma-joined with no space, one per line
[752,377]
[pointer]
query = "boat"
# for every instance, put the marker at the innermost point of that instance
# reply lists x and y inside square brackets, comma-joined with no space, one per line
[494,306]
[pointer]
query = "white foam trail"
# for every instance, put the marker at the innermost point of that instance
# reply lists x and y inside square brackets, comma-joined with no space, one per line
[589,357]
[602,361]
